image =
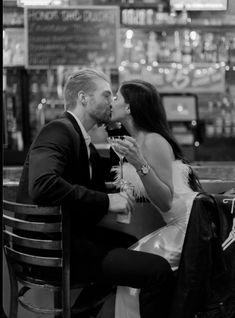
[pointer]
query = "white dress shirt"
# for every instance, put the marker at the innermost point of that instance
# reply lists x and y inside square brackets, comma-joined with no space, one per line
[85,136]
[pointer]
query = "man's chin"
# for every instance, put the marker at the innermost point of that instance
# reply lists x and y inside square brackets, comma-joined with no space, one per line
[107,121]
[103,122]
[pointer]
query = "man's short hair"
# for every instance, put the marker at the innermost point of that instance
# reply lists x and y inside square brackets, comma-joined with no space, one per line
[82,80]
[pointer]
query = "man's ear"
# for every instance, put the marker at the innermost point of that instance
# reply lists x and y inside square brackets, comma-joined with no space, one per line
[82,98]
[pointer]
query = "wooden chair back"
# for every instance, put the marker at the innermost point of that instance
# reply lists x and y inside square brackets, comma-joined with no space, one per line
[36,241]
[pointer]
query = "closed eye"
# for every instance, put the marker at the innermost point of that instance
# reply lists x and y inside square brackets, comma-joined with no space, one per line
[107,94]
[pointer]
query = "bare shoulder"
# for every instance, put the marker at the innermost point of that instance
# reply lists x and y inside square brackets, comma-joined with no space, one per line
[159,155]
[154,142]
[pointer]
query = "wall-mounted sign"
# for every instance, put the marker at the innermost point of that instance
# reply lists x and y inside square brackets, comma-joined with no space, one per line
[80,36]
[199,4]
[200,78]
[22,3]
[143,17]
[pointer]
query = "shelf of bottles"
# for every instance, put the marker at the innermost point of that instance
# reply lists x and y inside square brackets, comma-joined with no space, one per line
[221,118]
[178,60]
[154,37]
[183,55]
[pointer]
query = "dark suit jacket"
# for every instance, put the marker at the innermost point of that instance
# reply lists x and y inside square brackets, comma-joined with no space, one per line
[56,172]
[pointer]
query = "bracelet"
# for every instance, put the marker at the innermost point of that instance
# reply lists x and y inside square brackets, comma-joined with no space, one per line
[143,170]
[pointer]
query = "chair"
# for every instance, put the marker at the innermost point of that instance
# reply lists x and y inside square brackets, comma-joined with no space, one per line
[36,243]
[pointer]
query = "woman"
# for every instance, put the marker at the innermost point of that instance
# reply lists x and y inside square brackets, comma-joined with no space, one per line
[158,172]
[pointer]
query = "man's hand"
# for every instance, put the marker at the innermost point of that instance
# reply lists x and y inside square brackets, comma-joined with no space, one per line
[121,202]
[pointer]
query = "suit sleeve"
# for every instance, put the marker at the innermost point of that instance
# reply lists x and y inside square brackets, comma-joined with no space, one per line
[49,157]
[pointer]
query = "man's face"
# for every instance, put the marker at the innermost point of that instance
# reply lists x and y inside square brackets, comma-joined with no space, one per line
[99,102]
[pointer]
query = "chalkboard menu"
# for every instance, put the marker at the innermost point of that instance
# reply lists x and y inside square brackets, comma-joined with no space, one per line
[81,36]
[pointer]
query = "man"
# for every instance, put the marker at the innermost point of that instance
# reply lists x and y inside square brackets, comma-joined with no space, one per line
[63,168]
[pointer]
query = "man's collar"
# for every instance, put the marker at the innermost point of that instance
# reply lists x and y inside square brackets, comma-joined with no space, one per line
[83,130]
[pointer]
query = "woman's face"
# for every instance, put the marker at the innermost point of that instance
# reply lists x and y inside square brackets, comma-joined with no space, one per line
[119,108]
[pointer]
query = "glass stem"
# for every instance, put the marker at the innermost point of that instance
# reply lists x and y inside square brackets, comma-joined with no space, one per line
[121,167]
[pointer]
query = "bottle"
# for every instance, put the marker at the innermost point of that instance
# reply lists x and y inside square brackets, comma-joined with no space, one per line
[228,124]
[152,47]
[227,117]
[186,48]
[210,127]
[160,15]
[139,52]
[177,54]
[233,122]
[222,51]
[210,49]
[184,18]
[219,120]
[164,50]
[172,16]
[231,52]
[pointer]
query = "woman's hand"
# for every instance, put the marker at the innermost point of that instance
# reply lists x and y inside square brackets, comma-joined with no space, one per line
[129,148]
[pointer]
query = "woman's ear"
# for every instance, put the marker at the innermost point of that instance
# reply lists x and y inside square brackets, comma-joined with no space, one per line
[128,110]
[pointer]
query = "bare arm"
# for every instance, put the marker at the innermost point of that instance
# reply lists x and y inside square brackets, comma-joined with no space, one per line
[156,152]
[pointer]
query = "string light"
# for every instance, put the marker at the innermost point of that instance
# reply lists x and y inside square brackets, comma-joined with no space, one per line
[124,63]
[185,71]
[121,68]
[202,69]
[136,65]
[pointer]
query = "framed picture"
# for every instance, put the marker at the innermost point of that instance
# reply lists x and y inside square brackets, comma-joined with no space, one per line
[13,47]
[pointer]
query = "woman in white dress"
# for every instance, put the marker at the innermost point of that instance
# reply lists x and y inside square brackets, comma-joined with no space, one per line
[157,171]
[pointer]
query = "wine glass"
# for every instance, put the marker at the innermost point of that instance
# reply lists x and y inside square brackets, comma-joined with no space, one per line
[123,184]
[113,143]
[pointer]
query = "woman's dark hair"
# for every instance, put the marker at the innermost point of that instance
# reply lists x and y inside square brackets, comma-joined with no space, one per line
[149,115]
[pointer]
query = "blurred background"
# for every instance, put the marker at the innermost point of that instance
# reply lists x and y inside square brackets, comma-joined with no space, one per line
[186,49]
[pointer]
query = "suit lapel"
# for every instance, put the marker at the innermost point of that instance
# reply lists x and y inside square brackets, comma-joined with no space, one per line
[83,143]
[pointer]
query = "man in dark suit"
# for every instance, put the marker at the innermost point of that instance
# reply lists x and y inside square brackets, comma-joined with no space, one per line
[63,168]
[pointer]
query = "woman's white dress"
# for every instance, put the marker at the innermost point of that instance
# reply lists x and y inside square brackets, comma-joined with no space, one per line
[166,241]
